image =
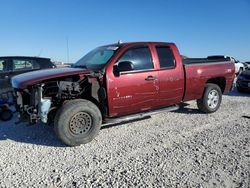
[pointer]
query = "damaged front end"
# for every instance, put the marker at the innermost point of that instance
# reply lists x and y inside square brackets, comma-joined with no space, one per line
[41,101]
[32,105]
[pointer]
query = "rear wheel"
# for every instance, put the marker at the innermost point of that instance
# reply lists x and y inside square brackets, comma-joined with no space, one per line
[211,99]
[78,122]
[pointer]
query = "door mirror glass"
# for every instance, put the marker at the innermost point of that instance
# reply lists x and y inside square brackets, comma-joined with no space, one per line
[124,66]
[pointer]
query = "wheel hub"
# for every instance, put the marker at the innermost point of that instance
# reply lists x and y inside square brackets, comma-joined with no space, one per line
[80,123]
[213,99]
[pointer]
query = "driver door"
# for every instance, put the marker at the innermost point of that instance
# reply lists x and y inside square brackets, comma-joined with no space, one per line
[135,90]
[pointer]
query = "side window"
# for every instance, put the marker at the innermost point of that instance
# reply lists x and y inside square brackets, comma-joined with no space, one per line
[35,65]
[140,57]
[166,57]
[3,66]
[22,65]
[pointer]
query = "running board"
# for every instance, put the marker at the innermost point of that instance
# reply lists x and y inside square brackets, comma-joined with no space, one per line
[111,121]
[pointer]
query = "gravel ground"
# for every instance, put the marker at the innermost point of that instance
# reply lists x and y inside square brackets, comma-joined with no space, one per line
[177,149]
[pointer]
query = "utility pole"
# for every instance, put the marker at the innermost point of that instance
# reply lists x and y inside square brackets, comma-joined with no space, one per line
[67,38]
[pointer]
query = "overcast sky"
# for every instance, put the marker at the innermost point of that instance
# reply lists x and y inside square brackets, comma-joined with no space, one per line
[198,27]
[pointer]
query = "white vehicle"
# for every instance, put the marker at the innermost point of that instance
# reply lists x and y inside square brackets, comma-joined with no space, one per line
[239,67]
[247,65]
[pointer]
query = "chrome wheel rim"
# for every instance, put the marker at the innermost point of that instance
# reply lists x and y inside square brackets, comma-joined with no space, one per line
[80,123]
[213,99]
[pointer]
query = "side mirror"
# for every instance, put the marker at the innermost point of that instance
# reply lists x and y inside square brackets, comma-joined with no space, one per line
[123,66]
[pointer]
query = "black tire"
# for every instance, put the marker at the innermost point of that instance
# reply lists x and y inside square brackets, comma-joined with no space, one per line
[240,90]
[68,126]
[6,114]
[208,104]
[51,117]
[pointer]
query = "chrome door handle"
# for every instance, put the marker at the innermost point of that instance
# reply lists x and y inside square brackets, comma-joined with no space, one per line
[6,77]
[150,78]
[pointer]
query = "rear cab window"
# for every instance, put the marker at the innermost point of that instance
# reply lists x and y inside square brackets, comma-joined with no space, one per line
[166,57]
[140,57]
[23,65]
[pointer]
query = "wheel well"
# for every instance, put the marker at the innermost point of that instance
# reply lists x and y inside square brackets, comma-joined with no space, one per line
[100,105]
[220,81]
[93,100]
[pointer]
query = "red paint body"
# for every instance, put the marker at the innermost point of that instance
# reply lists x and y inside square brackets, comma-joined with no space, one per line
[130,93]
[172,86]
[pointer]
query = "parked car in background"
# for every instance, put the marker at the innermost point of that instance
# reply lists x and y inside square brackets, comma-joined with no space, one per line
[239,67]
[117,83]
[14,65]
[247,65]
[243,81]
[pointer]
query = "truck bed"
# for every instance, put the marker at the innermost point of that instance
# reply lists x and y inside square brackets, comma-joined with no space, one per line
[199,71]
[189,61]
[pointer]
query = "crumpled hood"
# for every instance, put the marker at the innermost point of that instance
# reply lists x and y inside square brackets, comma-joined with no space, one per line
[22,81]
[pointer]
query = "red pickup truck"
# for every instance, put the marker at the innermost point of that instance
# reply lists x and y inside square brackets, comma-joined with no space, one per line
[119,82]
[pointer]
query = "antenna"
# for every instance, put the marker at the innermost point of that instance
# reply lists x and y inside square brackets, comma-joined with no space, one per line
[39,54]
[67,49]
[119,41]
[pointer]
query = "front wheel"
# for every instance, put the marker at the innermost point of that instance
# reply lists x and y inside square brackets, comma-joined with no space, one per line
[78,122]
[211,99]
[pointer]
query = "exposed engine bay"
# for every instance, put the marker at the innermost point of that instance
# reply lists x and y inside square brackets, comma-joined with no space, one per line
[41,101]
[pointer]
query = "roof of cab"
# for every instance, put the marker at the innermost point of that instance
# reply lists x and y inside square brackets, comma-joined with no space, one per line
[137,43]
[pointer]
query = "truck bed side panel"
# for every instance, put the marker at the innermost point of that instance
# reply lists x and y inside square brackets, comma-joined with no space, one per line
[197,75]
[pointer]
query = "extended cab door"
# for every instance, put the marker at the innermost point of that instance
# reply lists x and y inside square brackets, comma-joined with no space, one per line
[136,90]
[171,75]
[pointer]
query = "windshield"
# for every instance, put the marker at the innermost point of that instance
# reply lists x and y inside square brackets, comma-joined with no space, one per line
[96,59]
